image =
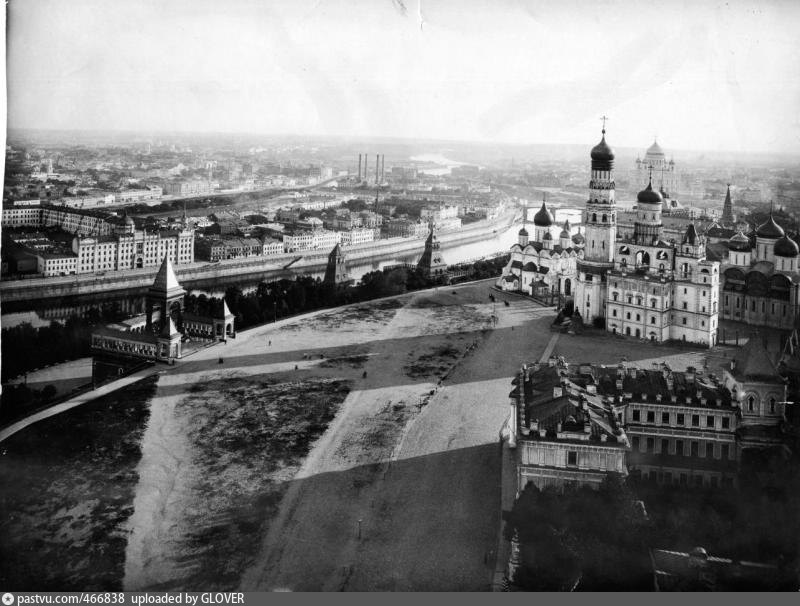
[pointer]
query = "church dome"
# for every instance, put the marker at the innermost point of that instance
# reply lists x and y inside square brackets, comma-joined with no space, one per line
[655,151]
[739,242]
[649,196]
[770,229]
[543,218]
[547,236]
[602,152]
[523,232]
[786,247]
[578,238]
[565,232]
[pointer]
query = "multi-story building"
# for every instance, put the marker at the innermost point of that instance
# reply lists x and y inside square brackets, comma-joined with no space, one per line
[559,438]
[575,423]
[639,284]
[543,266]
[357,236]
[129,248]
[56,263]
[188,188]
[133,196]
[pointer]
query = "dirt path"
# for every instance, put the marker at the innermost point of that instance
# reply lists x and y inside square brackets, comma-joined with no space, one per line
[419,512]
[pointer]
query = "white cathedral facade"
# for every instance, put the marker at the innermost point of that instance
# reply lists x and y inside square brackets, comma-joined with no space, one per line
[543,266]
[641,285]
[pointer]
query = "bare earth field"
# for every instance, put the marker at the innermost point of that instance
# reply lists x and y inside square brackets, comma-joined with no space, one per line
[351,449]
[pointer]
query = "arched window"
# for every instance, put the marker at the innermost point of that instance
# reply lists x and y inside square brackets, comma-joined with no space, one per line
[594,216]
[638,300]
[772,406]
[751,403]
[615,295]
[652,302]
[604,218]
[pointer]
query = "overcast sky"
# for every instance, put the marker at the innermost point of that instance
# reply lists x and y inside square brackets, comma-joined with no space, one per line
[700,75]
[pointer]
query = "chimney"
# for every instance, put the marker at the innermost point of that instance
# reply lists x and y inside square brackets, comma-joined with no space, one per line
[359,166]
[558,427]
[558,391]
[603,437]
[377,168]
[658,397]
[534,426]
[619,384]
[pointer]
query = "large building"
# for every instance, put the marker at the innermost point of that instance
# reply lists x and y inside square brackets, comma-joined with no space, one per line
[640,285]
[574,423]
[543,266]
[663,171]
[760,278]
[129,248]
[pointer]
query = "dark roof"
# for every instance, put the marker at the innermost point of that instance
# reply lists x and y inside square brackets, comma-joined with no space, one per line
[543,218]
[529,266]
[786,247]
[649,196]
[523,231]
[769,229]
[753,362]
[516,264]
[690,237]
[602,155]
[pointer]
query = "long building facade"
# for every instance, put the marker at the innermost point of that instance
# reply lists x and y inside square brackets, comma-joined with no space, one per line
[640,285]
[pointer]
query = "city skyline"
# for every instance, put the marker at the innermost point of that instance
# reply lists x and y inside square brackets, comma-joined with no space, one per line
[702,77]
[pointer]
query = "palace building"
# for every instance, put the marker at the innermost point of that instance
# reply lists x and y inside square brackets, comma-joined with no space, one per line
[639,284]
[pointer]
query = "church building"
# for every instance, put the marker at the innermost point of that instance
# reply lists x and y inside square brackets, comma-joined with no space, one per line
[543,266]
[639,284]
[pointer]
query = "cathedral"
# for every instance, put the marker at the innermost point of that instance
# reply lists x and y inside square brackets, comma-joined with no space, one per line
[655,160]
[543,266]
[639,284]
[760,278]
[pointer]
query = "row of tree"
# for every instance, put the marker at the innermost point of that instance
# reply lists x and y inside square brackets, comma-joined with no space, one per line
[275,300]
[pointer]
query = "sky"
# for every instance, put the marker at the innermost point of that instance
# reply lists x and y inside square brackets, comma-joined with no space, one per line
[699,75]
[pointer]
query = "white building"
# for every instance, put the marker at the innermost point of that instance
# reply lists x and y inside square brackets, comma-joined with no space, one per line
[543,266]
[357,236]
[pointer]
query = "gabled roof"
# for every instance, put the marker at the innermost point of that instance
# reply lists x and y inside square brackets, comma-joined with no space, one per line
[166,282]
[753,362]
[691,235]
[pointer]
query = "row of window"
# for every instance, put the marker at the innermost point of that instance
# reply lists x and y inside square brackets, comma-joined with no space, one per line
[697,449]
[682,479]
[666,418]
[737,302]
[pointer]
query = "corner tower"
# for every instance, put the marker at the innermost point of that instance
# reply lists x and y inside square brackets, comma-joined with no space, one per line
[600,219]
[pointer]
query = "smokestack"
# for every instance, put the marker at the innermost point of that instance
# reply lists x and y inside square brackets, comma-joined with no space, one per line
[365,167]
[377,168]
[383,167]
[359,167]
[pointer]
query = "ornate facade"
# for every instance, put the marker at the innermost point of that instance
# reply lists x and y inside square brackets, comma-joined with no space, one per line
[760,278]
[638,284]
[543,266]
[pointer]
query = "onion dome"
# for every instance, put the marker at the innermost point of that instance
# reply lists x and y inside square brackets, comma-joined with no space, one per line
[543,218]
[649,196]
[602,155]
[786,247]
[523,232]
[578,238]
[770,229]
[547,236]
[740,242]
[565,231]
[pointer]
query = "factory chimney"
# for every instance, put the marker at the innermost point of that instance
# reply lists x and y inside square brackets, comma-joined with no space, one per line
[377,168]
[359,167]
